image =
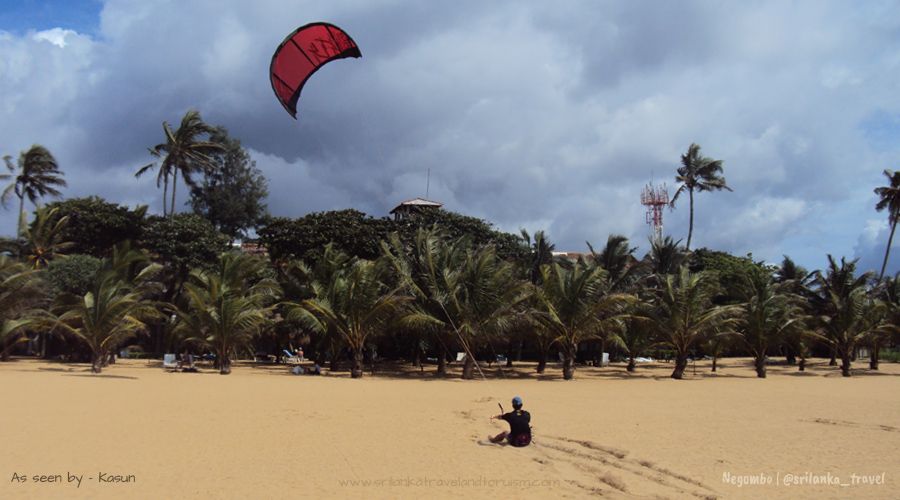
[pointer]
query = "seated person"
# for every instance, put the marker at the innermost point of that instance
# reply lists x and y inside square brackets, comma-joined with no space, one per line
[519,426]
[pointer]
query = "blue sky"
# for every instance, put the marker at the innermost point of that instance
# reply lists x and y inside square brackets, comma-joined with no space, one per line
[19,16]
[528,114]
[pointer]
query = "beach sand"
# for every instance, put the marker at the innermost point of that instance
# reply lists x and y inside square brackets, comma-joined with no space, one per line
[262,433]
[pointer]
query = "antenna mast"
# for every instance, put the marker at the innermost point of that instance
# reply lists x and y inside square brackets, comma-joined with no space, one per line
[655,198]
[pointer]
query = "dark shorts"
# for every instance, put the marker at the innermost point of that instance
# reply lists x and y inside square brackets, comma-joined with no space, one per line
[519,440]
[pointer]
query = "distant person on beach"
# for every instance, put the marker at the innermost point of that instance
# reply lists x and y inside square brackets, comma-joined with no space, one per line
[519,426]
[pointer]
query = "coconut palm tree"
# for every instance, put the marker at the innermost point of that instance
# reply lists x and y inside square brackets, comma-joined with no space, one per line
[685,315]
[115,307]
[20,292]
[575,304]
[184,152]
[227,306]
[636,335]
[889,198]
[768,313]
[44,239]
[847,314]
[541,254]
[889,294]
[355,303]
[666,256]
[36,175]
[460,293]
[697,173]
[617,258]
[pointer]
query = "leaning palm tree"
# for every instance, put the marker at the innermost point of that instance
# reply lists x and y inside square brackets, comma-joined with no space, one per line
[768,314]
[184,152]
[889,198]
[227,306]
[355,303]
[697,173]
[36,175]
[685,315]
[575,304]
[20,292]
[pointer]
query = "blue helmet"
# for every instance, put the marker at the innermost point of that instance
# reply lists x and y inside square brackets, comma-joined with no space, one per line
[517,401]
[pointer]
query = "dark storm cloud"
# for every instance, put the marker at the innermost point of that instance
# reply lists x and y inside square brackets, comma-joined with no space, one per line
[530,114]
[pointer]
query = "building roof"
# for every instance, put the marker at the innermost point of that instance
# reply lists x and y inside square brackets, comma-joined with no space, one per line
[417,202]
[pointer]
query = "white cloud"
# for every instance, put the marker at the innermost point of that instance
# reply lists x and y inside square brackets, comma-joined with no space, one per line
[529,115]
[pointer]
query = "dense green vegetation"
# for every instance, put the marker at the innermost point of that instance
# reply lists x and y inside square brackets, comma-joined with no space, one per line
[86,277]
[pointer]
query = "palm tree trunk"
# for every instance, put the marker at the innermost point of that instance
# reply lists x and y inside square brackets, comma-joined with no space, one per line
[356,370]
[542,357]
[442,360]
[97,362]
[165,192]
[631,363]
[468,372]
[715,361]
[802,364]
[680,365]
[224,362]
[691,220]
[174,184]
[569,361]
[873,357]
[833,360]
[887,250]
[760,362]
[21,224]
[845,362]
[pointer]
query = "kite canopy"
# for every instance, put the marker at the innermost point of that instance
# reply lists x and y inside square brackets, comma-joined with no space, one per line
[301,54]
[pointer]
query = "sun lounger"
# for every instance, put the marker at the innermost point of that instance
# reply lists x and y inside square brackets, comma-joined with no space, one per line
[290,357]
[169,362]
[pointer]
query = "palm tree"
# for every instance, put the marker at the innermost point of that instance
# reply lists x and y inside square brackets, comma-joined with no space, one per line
[636,335]
[44,240]
[697,173]
[889,199]
[37,175]
[184,152]
[685,315]
[355,303]
[665,257]
[574,305]
[847,314]
[115,307]
[541,253]
[769,312]
[459,291]
[617,258]
[227,306]
[20,292]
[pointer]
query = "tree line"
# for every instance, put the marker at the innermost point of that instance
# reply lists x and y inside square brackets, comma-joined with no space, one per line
[87,277]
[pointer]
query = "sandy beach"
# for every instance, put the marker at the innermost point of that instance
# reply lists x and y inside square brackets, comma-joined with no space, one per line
[137,431]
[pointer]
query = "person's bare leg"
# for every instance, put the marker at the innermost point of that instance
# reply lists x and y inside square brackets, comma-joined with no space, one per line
[499,437]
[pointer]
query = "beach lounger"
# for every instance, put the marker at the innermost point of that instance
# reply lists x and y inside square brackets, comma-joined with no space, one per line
[290,357]
[169,362]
